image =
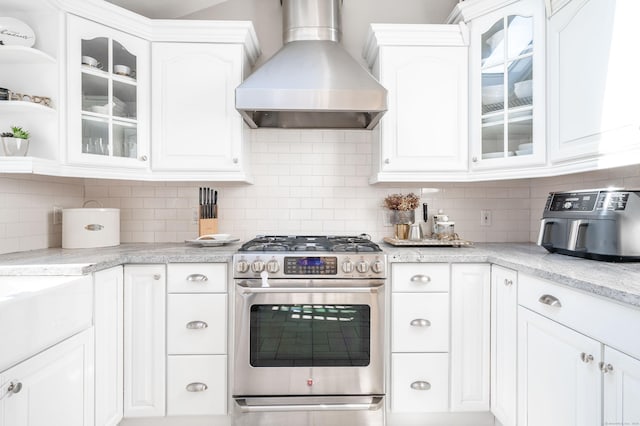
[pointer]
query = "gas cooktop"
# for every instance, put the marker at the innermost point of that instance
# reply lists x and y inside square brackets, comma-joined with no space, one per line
[316,243]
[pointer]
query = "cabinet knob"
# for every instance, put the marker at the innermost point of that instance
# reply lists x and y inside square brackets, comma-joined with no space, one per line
[143,158]
[197,325]
[387,161]
[547,299]
[508,282]
[586,358]
[235,161]
[421,279]
[196,387]
[157,277]
[14,387]
[420,322]
[474,159]
[197,278]
[421,385]
[605,368]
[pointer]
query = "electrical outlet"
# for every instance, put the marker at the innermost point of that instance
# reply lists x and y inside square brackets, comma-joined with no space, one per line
[485,217]
[57,215]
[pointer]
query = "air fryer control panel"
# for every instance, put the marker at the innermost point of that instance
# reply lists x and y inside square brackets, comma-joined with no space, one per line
[587,201]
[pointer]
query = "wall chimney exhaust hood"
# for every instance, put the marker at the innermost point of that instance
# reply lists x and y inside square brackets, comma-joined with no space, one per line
[312,82]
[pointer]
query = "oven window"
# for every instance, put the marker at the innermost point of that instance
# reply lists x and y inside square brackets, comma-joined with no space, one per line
[310,335]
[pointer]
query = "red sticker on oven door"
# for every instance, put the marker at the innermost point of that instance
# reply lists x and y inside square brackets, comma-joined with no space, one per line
[309,382]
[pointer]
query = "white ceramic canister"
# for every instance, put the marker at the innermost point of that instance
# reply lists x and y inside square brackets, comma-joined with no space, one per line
[90,227]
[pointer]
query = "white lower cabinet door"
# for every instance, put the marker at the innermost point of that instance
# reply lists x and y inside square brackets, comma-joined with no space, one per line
[53,388]
[197,385]
[420,322]
[559,382]
[144,340]
[621,388]
[196,324]
[419,382]
[109,329]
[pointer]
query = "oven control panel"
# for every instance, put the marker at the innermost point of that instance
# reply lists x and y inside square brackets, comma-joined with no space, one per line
[321,265]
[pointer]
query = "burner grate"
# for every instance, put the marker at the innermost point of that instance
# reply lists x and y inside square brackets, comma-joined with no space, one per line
[277,243]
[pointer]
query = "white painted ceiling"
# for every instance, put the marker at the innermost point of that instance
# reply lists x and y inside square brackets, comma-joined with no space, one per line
[166,9]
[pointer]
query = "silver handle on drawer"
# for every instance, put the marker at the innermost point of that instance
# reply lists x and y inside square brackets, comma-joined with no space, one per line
[421,279]
[550,300]
[197,278]
[586,358]
[605,368]
[196,387]
[245,405]
[421,385]
[157,277]
[508,282]
[197,325]
[14,387]
[420,322]
[94,227]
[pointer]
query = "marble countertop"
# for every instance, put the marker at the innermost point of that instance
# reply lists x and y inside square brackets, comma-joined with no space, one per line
[616,281]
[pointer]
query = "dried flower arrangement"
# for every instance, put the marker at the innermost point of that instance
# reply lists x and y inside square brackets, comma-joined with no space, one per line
[402,202]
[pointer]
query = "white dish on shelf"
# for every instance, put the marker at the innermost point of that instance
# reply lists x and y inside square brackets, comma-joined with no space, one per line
[14,32]
[100,109]
[525,146]
[523,89]
[497,154]
[492,94]
[524,152]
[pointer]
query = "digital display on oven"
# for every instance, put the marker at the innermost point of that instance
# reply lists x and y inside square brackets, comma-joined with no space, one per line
[310,265]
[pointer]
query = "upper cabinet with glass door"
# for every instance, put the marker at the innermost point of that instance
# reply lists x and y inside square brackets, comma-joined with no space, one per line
[108,96]
[507,86]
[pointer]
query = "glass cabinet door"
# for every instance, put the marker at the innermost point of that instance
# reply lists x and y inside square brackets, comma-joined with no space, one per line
[108,98]
[507,87]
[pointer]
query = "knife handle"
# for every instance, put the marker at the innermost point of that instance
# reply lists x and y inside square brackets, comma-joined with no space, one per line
[425,212]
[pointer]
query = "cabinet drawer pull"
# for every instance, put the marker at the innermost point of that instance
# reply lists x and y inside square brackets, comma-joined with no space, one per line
[547,299]
[508,282]
[197,325]
[94,227]
[586,358]
[420,322]
[421,279]
[197,278]
[14,387]
[157,277]
[605,368]
[196,387]
[421,385]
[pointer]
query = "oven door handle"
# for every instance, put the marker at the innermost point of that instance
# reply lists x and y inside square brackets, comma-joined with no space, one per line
[374,405]
[271,290]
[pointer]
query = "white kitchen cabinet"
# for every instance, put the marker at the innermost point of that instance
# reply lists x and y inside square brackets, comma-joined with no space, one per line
[144,340]
[108,101]
[419,337]
[470,331]
[578,357]
[109,340]
[593,83]
[196,130]
[54,387]
[197,339]
[423,135]
[507,83]
[558,384]
[504,328]
[621,388]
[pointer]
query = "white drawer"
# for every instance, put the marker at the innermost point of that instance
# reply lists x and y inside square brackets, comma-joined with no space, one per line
[197,278]
[607,321]
[420,277]
[408,371]
[420,322]
[197,324]
[186,375]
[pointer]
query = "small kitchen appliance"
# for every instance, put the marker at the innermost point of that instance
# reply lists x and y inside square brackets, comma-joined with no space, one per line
[599,224]
[309,331]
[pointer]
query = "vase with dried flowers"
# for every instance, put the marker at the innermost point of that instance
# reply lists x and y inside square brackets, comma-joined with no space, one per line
[402,212]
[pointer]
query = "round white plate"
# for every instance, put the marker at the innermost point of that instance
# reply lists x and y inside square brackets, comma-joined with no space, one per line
[14,32]
[211,243]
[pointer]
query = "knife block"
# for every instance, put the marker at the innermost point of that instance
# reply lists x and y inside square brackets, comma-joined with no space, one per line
[207,226]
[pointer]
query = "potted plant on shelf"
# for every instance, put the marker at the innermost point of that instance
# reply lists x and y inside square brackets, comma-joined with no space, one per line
[402,212]
[16,142]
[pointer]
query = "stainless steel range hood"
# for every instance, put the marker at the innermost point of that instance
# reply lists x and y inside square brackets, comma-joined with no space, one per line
[312,82]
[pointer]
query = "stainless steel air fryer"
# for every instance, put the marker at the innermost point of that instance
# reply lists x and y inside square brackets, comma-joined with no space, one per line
[599,224]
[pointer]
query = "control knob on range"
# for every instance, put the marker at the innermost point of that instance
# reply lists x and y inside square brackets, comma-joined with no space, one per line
[567,205]
[347,266]
[273,266]
[377,266]
[242,266]
[257,266]
[362,266]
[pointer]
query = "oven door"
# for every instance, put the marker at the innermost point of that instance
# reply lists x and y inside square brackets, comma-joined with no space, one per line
[309,337]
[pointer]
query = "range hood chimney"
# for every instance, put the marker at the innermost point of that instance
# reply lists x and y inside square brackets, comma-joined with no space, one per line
[312,82]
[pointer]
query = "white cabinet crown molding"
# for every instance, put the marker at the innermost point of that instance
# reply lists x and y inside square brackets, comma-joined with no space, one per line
[468,10]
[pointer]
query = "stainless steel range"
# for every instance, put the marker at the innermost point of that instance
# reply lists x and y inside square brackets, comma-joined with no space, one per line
[309,331]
